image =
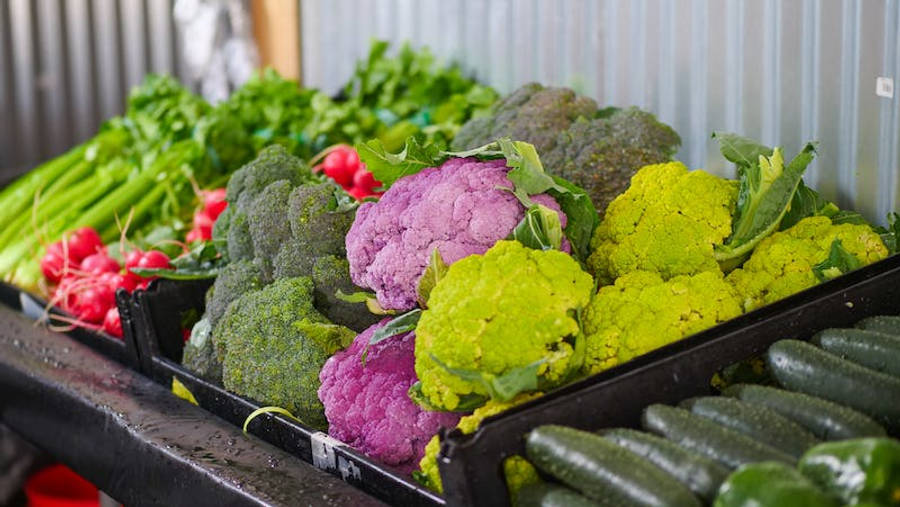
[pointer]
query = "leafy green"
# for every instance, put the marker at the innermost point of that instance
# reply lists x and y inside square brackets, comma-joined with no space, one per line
[467,402]
[539,229]
[435,270]
[201,262]
[500,387]
[807,203]
[356,297]
[767,189]
[389,167]
[581,216]
[838,262]
[401,324]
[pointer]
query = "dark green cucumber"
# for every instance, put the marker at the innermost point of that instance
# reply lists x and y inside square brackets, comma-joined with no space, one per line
[824,419]
[856,471]
[888,324]
[771,484]
[709,438]
[700,474]
[872,349]
[799,366]
[602,470]
[551,495]
[756,421]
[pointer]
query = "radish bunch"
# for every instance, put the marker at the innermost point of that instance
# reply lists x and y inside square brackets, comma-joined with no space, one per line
[342,164]
[84,278]
[204,218]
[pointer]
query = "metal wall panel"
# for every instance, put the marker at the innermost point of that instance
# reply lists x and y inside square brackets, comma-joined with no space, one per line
[67,65]
[783,71]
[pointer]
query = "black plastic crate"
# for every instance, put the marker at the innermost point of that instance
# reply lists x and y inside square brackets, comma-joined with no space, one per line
[158,313]
[471,465]
[123,350]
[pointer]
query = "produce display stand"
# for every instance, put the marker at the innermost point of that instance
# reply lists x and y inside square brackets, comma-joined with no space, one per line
[471,465]
[133,438]
[158,312]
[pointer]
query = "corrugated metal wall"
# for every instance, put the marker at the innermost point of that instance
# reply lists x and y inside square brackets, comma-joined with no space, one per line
[67,65]
[783,71]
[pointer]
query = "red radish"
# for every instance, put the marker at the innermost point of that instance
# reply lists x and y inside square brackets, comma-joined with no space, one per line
[351,159]
[185,334]
[193,235]
[336,167]
[154,259]
[214,202]
[115,281]
[65,293]
[52,266]
[359,193]
[202,218]
[132,258]
[83,242]
[365,180]
[143,284]
[112,322]
[99,263]
[92,303]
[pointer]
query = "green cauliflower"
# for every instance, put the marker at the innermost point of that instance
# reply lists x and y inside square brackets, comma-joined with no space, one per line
[597,149]
[510,312]
[668,222]
[272,343]
[802,256]
[518,471]
[642,312]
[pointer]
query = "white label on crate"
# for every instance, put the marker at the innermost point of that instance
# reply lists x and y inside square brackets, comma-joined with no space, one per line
[31,308]
[884,87]
[323,451]
[348,469]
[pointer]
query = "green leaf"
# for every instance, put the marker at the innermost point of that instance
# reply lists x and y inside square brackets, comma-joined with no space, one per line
[539,229]
[401,324]
[467,402]
[581,217]
[891,235]
[502,387]
[356,297]
[740,150]
[807,203]
[435,270]
[201,262]
[849,217]
[389,167]
[527,173]
[767,190]
[838,262]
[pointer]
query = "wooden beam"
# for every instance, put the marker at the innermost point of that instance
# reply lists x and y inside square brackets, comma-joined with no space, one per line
[276,28]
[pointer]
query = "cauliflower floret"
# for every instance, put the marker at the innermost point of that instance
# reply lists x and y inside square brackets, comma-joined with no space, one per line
[515,467]
[493,313]
[456,208]
[782,264]
[367,405]
[641,312]
[667,222]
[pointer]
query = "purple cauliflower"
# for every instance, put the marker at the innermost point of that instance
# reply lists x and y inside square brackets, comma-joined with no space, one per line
[367,406]
[456,208]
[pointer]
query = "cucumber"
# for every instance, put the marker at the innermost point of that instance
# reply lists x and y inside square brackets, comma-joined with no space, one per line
[708,438]
[878,351]
[824,419]
[552,495]
[888,324]
[799,366]
[701,475]
[602,470]
[857,471]
[756,421]
[771,484]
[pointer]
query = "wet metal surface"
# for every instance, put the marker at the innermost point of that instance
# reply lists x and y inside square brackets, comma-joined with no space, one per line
[136,441]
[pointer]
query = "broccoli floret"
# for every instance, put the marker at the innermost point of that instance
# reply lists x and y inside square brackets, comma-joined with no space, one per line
[512,308]
[220,229]
[667,222]
[240,243]
[330,274]
[517,475]
[642,312]
[318,219]
[598,150]
[268,223]
[199,355]
[783,263]
[235,280]
[272,164]
[273,343]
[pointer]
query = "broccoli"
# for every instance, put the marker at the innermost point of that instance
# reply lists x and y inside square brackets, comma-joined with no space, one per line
[367,405]
[272,343]
[517,471]
[668,222]
[456,208]
[786,262]
[331,274]
[598,150]
[642,312]
[235,280]
[270,165]
[268,223]
[511,311]
[239,241]
[199,355]
[318,219]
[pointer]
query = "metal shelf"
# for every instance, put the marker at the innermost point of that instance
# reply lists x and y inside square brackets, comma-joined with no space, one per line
[134,439]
